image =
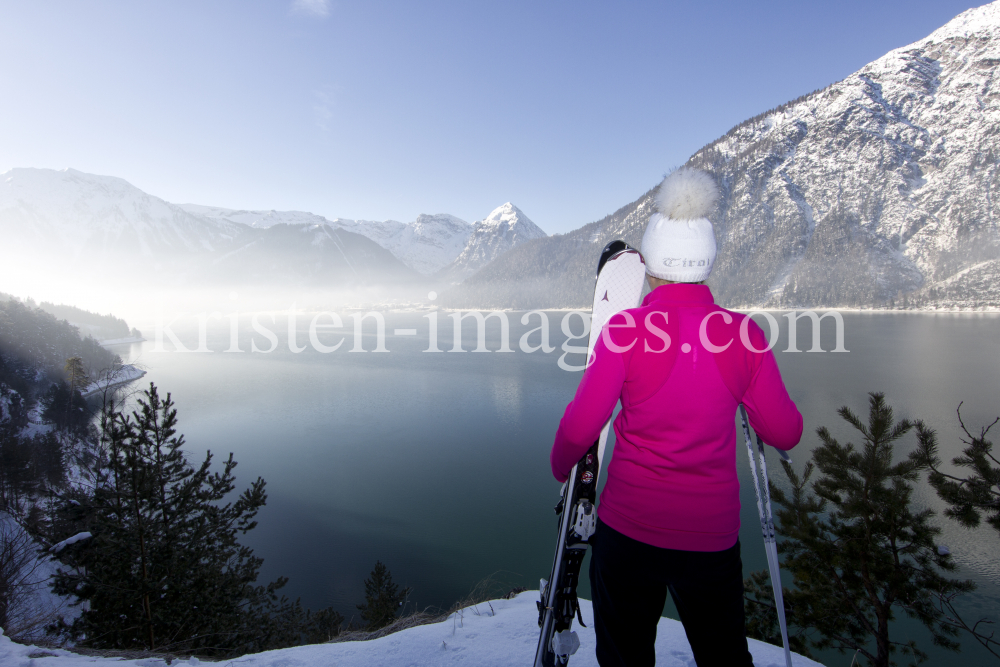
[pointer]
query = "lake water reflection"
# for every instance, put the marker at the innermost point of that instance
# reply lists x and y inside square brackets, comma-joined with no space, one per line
[437,464]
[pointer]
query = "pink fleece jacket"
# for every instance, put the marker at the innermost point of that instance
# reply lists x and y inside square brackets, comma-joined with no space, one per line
[681,366]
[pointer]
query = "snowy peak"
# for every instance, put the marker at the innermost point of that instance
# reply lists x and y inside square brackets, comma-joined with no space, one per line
[505,227]
[502,229]
[510,219]
[505,214]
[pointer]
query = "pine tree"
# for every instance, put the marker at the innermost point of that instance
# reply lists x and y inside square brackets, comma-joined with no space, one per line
[66,408]
[164,568]
[15,468]
[76,374]
[969,498]
[857,551]
[383,599]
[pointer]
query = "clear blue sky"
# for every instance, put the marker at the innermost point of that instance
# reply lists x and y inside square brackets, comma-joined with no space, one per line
[376,110]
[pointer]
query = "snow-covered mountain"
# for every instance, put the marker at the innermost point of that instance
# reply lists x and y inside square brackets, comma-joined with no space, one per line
[69,218]
[426,245]
[505,227]
[875,191]
[877,188]
[429,245]
[94,219]
[101,227]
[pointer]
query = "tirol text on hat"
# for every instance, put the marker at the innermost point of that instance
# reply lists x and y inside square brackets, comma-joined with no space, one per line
[679,243]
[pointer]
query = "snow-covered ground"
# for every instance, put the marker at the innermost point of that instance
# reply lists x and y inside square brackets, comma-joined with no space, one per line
[39,605]
[497,633]
[36,424]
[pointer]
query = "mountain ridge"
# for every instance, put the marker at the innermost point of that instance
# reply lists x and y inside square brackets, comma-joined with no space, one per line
[426,245]
[104,228]
[109,228]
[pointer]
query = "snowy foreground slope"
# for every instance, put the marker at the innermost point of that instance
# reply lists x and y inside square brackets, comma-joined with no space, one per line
[501,632]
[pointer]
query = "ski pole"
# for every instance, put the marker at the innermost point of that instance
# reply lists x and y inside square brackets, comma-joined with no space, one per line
[767,528]
[779,597]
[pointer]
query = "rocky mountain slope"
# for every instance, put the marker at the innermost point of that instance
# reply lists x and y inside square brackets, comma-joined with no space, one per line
[877,191]
[426,245]
[320,255]
[505,227]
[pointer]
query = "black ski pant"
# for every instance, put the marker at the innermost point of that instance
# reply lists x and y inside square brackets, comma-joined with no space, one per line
[629,581]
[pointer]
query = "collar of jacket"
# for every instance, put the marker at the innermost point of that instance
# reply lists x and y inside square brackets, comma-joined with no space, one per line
[680,293]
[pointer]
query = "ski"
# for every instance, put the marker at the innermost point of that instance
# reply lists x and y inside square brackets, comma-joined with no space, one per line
[767,528]
[620,275]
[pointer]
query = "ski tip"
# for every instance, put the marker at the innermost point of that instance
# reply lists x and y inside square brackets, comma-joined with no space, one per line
[610,251]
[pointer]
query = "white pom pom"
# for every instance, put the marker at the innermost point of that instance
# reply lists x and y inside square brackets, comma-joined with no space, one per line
[686,194]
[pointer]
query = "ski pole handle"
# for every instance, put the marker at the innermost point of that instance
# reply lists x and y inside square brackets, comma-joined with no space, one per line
[781,452]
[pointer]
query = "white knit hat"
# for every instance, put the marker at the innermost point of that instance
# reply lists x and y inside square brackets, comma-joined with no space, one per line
[679,243]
